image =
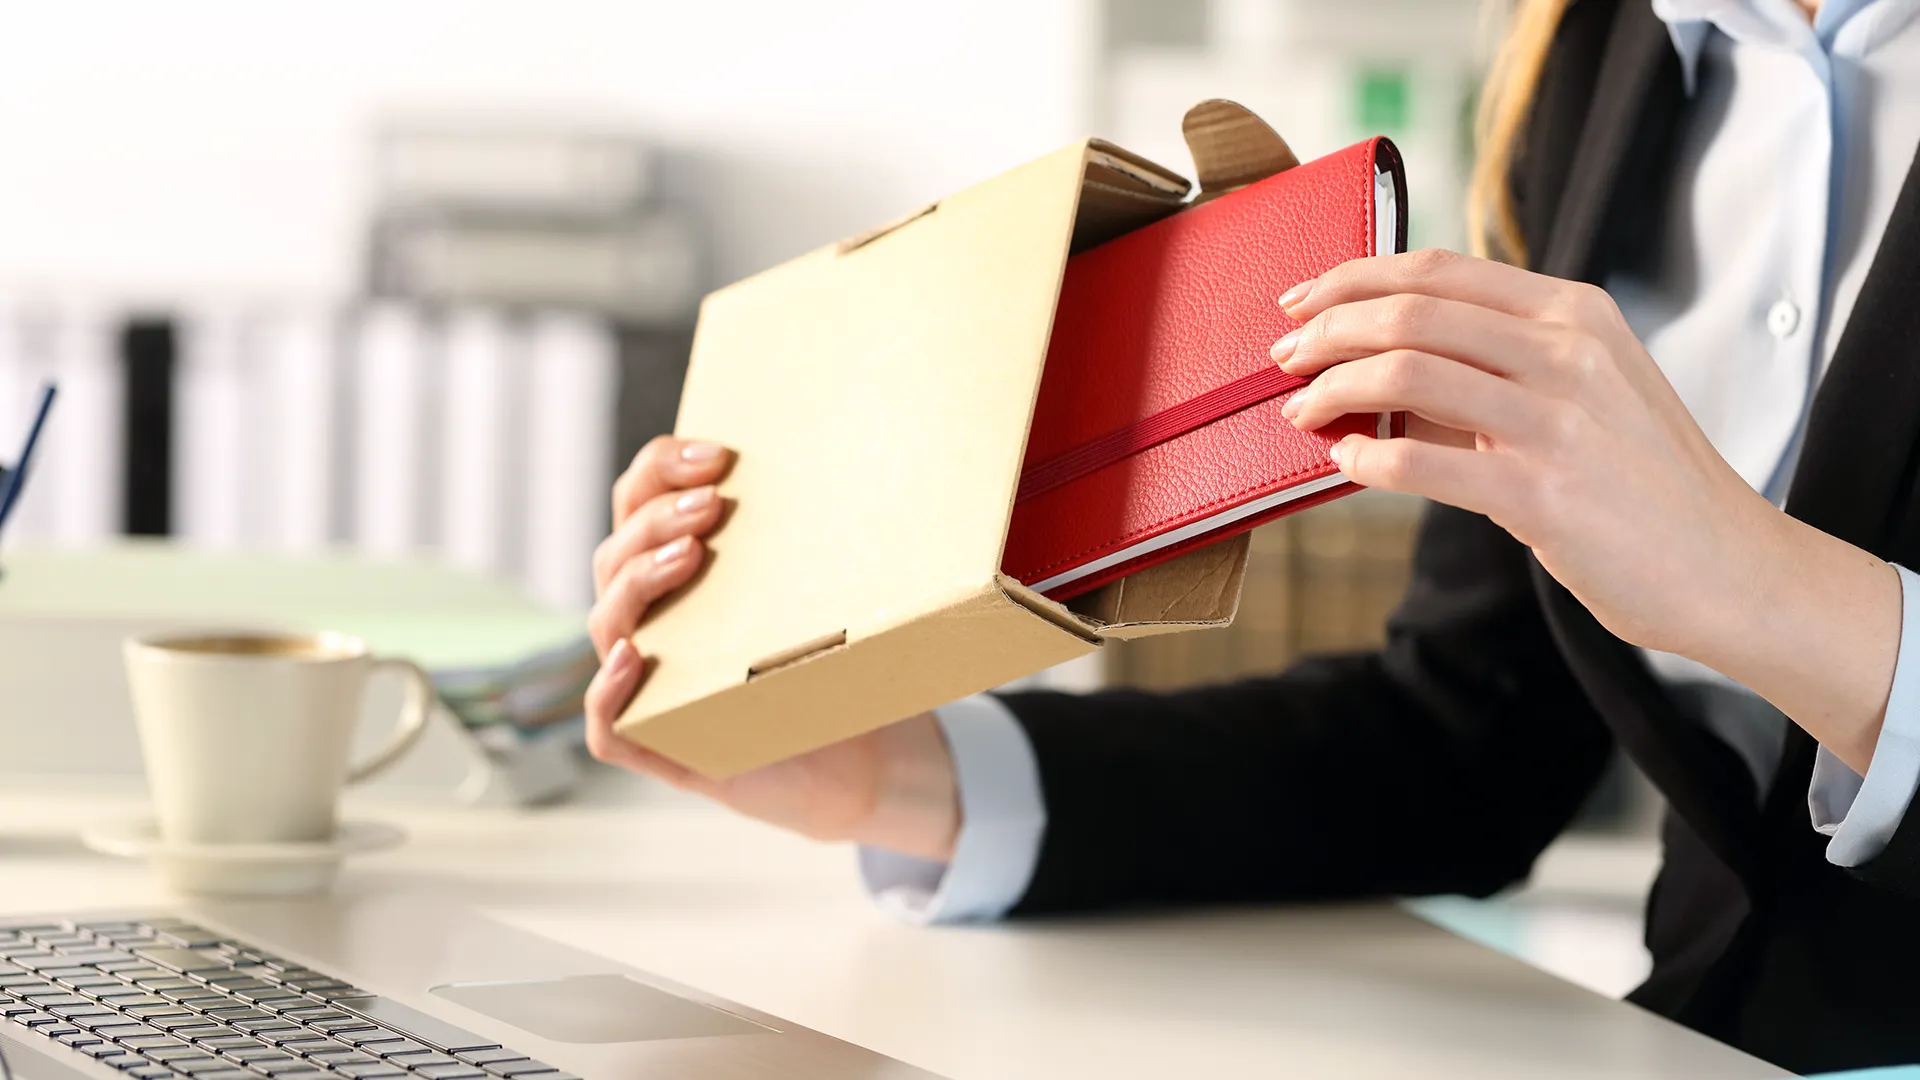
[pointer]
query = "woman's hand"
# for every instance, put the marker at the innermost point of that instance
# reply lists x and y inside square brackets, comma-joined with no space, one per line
[1571,439]
[892,788]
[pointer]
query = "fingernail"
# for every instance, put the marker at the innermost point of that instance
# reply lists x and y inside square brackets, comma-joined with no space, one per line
[621,659]
[697,499]
[700,453]
[673,552]
[1283,348]
[1293,296]
[1338,454]
[1294,404]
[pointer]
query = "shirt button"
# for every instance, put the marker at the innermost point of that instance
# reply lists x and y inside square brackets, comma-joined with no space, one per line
[1783,318]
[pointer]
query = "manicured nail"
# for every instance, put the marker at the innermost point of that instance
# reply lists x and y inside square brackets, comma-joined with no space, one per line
[1292,297]
[621,659]
[673,552]
[700,453]
[1283,348]
[697,499]
[1291,409]
[1338,454]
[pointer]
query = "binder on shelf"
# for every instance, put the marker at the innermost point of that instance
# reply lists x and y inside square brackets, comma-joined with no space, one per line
[392,388]
[84,466]
[571,394]
[485,384]
[300,358]
[218,434]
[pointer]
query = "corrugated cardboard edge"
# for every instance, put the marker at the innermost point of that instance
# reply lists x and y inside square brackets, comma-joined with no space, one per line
[1232,147]
[1199,589]
[979,639]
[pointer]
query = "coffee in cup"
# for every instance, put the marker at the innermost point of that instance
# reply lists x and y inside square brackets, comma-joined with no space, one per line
[247,735]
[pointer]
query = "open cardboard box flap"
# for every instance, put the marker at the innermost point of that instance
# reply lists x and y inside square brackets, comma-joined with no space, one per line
[878,392]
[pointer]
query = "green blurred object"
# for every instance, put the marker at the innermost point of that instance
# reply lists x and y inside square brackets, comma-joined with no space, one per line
[439,617]
[510,672]
[1382,102]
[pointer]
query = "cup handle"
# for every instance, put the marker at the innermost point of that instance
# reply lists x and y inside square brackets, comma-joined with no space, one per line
[414,713]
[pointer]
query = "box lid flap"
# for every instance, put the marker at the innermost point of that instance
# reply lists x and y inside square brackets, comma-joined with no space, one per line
[878,392]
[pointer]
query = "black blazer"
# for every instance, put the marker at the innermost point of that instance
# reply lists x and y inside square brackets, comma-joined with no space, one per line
[1446,761]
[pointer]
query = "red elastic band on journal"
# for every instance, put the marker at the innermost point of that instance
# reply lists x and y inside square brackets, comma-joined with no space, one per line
[1167,424]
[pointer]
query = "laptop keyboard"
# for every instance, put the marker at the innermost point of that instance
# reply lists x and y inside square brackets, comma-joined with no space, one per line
[160,998]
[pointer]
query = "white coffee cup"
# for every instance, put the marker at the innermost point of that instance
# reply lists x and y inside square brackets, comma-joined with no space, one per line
[247,735]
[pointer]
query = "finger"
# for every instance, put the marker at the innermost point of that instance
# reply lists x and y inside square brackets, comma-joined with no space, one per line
[1441,390]
[636,586]
[1424,430]
[1469,479]
[1444,275]
[1492,341]
[664,464]
[613,686]
[608,695]
[663,518]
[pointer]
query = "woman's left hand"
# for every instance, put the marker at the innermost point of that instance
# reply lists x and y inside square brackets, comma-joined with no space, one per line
[1575,443]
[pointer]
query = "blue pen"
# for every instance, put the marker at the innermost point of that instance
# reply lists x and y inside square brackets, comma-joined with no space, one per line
[13,480]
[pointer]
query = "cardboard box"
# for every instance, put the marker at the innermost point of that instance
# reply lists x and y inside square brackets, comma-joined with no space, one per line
[878,392]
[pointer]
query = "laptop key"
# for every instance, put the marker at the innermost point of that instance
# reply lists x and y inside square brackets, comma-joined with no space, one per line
[102,1049]
[67,970]
[75,1012]
[151,1072]
[189,936]
[182,1022]
[527,1067]
[261,1027]
[342,1025]
[274,1068]
[283,1036]
[392,1048]
[407,1020]
[455,1071]
[122,1060]
[80,1038]
[165,982]
[425,1057]
[53,1000]
[134,998]
[372,1071]
[369,1039]
[186,961]
[122,1031]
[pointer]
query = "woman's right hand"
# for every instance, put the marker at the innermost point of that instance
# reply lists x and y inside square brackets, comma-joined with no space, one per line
[892,788]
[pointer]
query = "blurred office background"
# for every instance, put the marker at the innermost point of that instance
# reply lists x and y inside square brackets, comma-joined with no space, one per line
[414,278]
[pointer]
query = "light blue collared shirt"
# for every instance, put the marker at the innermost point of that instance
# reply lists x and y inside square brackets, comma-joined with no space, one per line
[1790,162]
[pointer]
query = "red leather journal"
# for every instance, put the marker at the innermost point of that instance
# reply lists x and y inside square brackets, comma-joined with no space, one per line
[1158,426]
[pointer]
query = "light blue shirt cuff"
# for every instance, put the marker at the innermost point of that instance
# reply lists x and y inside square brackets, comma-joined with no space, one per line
[1861,813]
[1002,818]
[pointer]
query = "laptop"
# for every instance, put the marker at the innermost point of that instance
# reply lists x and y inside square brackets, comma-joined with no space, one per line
[368,988]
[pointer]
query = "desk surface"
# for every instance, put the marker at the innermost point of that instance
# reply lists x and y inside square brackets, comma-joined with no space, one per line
[780,924]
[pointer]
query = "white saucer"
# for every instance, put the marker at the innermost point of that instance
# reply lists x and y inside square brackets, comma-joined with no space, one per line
[253,869]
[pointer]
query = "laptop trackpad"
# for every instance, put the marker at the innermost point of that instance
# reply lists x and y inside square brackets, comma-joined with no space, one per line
[596,1009]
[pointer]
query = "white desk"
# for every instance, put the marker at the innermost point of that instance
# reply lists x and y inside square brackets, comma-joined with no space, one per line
[780,924]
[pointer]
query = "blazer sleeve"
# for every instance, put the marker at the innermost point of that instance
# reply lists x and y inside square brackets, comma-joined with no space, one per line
[1443,763]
